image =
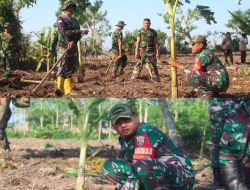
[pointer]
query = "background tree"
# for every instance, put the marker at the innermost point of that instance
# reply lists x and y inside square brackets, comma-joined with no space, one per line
[97,23]
[240,21]
[184,23]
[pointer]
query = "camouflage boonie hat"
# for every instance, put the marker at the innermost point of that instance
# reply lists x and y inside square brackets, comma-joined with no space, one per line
[67,4]
[6,25]
[120,111]
[120,23]
[198,39]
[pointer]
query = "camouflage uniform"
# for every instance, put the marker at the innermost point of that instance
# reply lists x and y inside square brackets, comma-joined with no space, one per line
[119,63]
[149,160]
[230,131]
[209,76]
[6,44]
[147,51]
[5,114]
[69,30]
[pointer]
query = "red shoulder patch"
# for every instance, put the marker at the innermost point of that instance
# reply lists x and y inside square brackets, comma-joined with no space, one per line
[143,147]
[197,64]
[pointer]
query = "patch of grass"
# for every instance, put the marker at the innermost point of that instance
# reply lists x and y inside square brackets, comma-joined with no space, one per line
[71,172]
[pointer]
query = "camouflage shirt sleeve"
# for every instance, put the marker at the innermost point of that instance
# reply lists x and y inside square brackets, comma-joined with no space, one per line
[119,35]
[62,28]
[138,34]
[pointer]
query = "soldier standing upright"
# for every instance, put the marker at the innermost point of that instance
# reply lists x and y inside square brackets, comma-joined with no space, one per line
[227,45]
[69,34]
[230,132]
[7,43]
[146,47]
[243,47]
[120,61]
[148,158]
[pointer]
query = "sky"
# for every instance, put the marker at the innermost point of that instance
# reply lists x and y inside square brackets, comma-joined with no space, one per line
[133,12]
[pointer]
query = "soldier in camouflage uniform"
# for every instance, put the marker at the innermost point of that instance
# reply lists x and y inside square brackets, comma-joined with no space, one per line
[5,114]
[148,158]
[209,76]
[120,61]
[69,34]
[230,131]
[7,43]
[146,48]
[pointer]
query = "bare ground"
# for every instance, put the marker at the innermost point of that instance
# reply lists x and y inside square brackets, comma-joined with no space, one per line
[97,84]
[43,165]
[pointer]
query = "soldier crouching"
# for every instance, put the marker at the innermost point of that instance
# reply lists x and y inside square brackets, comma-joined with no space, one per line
[148,159]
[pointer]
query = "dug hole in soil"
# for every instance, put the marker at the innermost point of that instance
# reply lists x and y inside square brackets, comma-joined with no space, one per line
[97,84]
[42,164]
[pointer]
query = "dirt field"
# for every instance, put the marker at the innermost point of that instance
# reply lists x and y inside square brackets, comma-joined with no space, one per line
[97,84]
[43,165]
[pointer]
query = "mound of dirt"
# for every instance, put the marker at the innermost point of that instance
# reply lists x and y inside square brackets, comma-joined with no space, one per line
[97,83]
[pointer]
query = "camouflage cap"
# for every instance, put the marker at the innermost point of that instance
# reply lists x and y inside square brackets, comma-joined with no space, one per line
[120,23]
[120,111]
[67,4]
[198,39]
[6,25]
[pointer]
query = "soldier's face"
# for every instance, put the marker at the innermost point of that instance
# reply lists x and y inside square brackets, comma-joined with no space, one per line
[197,48]
[70,10]
[146,24]
[127,126]
[7,29]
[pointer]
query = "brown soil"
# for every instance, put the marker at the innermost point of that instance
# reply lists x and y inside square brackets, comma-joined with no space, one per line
[97,84]
[33,166]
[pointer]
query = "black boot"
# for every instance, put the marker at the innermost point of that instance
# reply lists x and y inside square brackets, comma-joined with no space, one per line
[231,176]
[247,177]
[218,181]
[4,142]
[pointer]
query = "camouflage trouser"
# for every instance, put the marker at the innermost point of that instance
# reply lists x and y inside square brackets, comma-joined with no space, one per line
[152,65]
[207,84]
[5,114]
[69,63]
[119,63]
[148,174]
[228,53]
[7,62]
[230,130]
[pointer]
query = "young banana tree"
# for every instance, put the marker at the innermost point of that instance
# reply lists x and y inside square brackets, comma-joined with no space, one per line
[172,5]
[82,108]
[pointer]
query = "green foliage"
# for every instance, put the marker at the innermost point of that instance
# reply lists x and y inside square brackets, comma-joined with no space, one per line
[240,21]
[129,41]
[9,10]
[47,132]
[182,46]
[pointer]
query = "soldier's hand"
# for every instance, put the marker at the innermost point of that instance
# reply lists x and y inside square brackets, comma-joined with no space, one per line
[245,162]
[137,56]
[84,31]
[176,64]
[158,55]
[70,44]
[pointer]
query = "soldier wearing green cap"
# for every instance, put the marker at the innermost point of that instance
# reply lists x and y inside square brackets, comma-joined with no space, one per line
[7,44]
[209,76]
[69,33]
[120,60]
[148,159]
[147,47]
